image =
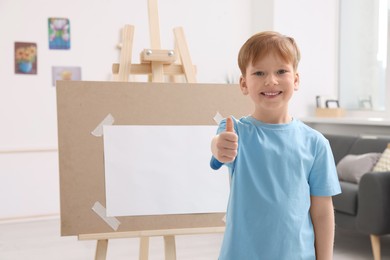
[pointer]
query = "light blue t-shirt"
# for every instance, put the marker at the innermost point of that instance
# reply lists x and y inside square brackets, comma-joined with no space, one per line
[277,168]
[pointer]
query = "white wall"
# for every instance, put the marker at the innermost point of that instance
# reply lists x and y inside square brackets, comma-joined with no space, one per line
[314,25]
[263,15]
[215,30]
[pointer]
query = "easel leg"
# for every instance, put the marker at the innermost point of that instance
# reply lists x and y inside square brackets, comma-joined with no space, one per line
[144,248]
[170,247]
[126,52]
[184,54]
[101,249]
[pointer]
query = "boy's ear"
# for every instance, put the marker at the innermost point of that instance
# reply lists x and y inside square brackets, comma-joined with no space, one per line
[296,81]
[243,87]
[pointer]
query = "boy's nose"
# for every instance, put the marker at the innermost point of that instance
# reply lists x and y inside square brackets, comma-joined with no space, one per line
[271,80]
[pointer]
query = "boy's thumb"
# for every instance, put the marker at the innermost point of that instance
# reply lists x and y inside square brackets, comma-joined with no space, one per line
[229,125]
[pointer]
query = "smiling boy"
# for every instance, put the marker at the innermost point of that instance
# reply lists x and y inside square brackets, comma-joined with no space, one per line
[282,172]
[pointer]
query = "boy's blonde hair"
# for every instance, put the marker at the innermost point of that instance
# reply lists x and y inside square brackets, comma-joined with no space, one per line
[263,43]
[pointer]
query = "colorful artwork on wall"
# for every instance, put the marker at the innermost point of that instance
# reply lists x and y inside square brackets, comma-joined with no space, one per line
[59,33]
[65,73]
[25,58]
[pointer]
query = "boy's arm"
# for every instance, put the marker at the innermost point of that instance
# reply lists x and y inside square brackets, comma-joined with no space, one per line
[322,216]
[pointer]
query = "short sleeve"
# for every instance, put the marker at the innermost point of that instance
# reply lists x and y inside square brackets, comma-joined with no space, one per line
[323,179]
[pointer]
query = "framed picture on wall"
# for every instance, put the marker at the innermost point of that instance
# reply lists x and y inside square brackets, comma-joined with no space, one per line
[59,33]
[65,73]
[25,58]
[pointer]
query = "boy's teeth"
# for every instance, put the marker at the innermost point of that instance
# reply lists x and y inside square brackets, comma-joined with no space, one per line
[271,93]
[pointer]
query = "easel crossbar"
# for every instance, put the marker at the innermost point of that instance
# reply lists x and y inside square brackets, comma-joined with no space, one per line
[142,69]
[151,233]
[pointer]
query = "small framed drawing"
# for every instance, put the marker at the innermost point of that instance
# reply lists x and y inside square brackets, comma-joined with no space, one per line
[25,58]
[59,33]
[65,73]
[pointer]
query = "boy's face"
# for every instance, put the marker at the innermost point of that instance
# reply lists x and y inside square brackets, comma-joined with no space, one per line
[270,83]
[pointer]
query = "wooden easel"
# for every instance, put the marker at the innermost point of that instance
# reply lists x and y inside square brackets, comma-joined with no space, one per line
[156,63]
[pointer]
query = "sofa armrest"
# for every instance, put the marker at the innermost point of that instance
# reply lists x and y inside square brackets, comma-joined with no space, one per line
[374,203]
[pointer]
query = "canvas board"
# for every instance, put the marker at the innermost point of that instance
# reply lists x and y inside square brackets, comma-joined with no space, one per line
[83,105]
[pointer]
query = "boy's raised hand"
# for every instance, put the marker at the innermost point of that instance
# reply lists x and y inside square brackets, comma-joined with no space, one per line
[226,144]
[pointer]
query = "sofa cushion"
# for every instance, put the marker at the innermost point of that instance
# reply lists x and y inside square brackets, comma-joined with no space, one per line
[346,201]
[383,164]
[352,166]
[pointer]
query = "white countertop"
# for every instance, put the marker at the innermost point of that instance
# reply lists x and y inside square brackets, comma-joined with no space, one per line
[373,121]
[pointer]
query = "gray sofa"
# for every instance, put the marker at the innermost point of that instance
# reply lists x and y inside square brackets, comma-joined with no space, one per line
[363,207]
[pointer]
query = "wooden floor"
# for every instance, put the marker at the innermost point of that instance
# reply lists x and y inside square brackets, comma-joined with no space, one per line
[41,240]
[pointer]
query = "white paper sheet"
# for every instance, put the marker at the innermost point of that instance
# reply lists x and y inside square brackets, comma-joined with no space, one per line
[158,170]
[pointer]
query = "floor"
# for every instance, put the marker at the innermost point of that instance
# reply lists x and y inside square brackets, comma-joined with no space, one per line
[40,239]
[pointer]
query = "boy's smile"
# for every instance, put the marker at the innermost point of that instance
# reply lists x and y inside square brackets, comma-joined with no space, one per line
[271,94]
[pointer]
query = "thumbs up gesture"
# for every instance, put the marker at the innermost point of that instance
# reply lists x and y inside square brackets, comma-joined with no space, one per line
[224,146]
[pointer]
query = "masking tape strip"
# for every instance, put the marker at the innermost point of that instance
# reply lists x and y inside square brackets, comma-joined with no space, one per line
[101,211]
[218,118]
[108,120]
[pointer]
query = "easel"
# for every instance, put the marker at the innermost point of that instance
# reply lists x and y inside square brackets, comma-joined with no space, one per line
[156,63]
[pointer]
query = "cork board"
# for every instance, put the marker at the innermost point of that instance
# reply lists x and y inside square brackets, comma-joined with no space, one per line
[82,105]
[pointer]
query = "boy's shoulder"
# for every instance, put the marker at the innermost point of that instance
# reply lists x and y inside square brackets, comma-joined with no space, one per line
[309,128]
[309,131]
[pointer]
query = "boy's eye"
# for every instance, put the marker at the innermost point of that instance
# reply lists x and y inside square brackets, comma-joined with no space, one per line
[282,71]
[258,73]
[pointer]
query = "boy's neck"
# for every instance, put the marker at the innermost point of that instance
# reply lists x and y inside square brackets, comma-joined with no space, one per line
[272,118]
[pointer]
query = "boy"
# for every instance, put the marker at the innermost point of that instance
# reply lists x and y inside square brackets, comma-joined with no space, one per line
[282,172]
